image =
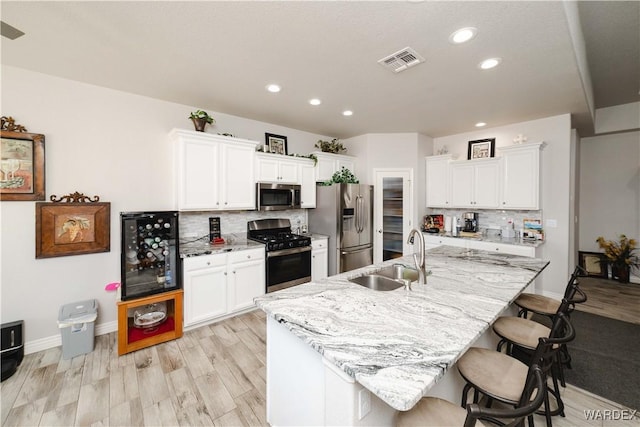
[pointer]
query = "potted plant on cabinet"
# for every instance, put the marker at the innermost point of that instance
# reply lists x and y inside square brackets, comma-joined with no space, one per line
[334,146]
[200,119]
[621,256]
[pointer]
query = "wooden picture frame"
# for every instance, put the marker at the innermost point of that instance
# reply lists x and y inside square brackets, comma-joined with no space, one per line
[594,263]
[64,229]
[275,144]
[21,166]
[481,149]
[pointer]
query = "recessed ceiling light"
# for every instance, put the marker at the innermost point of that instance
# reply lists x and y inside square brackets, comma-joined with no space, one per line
[480,124]
[462,35]
[347,113]
[315,101]
[273,88]
[490,63]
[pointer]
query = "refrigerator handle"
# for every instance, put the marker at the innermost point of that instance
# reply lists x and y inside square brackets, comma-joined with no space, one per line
[359,214]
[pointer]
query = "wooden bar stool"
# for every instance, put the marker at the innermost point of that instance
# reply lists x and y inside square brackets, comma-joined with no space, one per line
[502,377]
[432,411]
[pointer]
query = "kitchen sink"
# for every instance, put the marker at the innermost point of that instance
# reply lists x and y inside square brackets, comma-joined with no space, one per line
[377,282]
[399,271]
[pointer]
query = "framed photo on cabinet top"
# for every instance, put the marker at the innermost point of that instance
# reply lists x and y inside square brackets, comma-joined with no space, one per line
[21,166]
[275,144]
[481,148]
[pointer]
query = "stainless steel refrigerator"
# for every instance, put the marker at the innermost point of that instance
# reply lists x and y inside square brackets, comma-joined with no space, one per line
[344,212]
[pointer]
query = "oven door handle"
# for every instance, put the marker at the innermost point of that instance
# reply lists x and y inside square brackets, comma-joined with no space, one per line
[281,252]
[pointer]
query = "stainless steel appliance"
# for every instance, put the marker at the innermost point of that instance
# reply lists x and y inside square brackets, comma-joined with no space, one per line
[276,197]
[149,257]
[288,255]
[344,212]
[470,222]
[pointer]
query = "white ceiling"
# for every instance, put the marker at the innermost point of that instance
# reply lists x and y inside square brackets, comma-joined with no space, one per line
[219,56]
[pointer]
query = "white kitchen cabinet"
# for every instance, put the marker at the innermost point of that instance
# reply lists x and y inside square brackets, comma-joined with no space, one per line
[307,175]
[246,273]
[221,284]
[207,172]
[319,259]
[521,176]
[329,163]
[438,181]
[205,288]
[475,183]
[276,168]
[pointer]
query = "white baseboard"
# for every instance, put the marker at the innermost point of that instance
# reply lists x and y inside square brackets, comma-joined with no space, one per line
[56,340]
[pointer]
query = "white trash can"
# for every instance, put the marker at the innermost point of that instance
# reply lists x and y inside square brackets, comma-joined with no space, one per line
[76,322]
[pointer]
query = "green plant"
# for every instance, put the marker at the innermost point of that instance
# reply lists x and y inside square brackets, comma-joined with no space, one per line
[334,146]
[310,156]
[344,176]
[203,115]
[621,253]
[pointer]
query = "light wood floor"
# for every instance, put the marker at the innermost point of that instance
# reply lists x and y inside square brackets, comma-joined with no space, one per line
[609,298]
[213,375]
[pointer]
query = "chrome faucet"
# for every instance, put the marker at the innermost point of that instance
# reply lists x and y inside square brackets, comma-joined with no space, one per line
[420,263]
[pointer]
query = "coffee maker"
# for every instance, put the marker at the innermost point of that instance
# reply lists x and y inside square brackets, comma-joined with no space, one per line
[470,222]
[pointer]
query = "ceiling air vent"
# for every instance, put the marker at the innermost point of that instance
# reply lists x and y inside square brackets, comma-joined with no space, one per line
[401,60]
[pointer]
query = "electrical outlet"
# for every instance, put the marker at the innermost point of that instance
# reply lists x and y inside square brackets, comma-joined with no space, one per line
[364,403]
[551,223]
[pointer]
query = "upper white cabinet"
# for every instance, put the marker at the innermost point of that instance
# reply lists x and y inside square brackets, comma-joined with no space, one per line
[209,173]
[521,176]
[307,175]
[276,168]
[438,178]
[475,183]
[329,163]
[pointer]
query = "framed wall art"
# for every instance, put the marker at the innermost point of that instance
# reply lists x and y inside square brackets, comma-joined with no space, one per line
[72,225]
[481,148]
[21,164]
[276,144]
[594,263]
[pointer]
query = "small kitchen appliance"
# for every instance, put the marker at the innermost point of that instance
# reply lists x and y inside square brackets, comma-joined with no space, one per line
[470,222]
[149,257]
[288,254]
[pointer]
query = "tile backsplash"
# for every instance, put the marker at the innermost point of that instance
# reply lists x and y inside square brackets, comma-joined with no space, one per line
[196,224]
[491,218]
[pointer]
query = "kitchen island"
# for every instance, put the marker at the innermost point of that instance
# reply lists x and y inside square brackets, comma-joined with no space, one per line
[332,342]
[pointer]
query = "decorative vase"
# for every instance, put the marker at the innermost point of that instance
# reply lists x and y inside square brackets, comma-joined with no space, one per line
[621,273]
[199,124]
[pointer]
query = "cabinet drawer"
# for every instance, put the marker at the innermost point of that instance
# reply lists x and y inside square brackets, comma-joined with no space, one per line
[319,244]
[246,255]
[204,261]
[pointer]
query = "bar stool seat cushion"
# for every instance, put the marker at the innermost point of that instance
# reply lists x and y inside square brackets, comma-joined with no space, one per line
[523,332]
[538,304]
[494,373]
[432,411]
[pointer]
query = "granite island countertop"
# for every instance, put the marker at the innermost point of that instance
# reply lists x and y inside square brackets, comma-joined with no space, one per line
[398,344]
[479,237]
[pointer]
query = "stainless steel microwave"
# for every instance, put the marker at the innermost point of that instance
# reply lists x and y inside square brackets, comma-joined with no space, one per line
[277,197]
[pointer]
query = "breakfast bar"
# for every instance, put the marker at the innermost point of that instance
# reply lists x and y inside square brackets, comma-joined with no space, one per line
[340,353]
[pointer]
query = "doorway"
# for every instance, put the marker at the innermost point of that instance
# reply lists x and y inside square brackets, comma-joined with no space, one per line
[392,212]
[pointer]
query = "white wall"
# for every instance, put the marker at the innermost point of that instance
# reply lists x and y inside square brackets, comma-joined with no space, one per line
[98,142]
[555,187]
[610,188]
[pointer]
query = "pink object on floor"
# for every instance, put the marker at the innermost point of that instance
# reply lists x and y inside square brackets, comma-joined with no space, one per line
[112,286]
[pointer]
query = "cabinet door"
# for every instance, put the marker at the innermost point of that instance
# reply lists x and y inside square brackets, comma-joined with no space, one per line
[267,170]
[325,169]
[308,185]
[486,184]
[345,163]
[288,172]
[205,290]
[246,278]
[319,259]
[521,179]
[462,176]
[437,182]
[198,175]
[236,179]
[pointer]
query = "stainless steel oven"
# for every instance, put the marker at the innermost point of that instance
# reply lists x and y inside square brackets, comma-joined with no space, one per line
[288,255]
[274,197]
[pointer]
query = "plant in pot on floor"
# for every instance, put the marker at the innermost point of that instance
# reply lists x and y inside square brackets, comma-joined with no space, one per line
[621,256]
[201,119]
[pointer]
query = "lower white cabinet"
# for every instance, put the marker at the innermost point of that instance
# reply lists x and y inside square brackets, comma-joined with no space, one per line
[319,259]
[216,285]
[431,241]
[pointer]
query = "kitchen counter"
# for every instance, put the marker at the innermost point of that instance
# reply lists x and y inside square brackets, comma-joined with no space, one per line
[398,344]
[233,242]
[492,239]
